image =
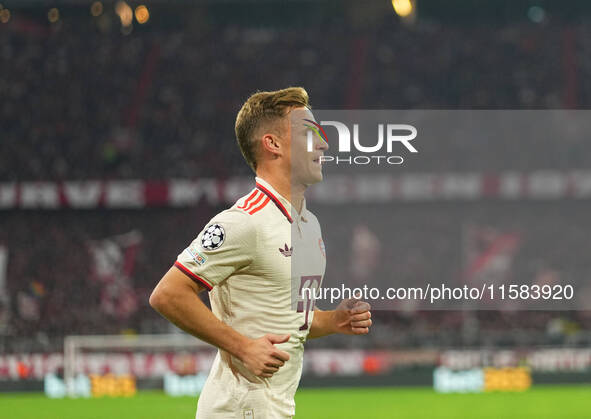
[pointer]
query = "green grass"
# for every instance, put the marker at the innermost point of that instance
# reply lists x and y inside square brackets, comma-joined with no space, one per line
[573,402]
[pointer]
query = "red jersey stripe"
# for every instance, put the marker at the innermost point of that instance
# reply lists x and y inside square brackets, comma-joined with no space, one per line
[252,195]
[191,275]
[255,202]
[260,207]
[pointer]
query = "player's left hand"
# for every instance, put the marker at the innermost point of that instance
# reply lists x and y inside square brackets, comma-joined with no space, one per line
[352,317]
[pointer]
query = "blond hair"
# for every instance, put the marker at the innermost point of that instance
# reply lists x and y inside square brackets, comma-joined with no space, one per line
[261,108]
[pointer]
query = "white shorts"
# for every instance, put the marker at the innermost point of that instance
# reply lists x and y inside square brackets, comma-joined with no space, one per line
[226,396]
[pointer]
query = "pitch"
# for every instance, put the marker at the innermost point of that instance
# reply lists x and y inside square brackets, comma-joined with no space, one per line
[572,402]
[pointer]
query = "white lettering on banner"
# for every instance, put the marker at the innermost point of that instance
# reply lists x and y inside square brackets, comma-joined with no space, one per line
[235,188]
[319,362]
[125,194]
[510,185]
[324,362]
[560,359]
[39,195]
[547,185]
[338,189]
[182,192]
[461,186]
[375,188]
[417,187]
[462,360]
[335,190]
[546,360]
[93,364]
[138,360]
[505,358]
[160,365]
[7,195]
[581,181]
[12,366]
[82,194]
[120,364]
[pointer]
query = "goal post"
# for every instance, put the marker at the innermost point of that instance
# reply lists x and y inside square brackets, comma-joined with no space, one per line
[74,344]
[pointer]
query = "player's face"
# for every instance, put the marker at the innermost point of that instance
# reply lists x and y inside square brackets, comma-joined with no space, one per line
[306,167]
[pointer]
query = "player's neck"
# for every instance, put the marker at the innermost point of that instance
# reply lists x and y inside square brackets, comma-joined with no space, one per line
[293,193]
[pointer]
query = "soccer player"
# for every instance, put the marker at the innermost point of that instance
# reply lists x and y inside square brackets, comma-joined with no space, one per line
[255,259]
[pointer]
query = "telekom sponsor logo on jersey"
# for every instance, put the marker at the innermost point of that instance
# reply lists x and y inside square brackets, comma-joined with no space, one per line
[388,136]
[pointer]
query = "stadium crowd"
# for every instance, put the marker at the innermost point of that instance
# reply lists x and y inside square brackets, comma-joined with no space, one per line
[83,103]
[58,277]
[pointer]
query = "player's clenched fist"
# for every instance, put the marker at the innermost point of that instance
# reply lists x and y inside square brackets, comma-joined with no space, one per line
[353,317]
[262,358]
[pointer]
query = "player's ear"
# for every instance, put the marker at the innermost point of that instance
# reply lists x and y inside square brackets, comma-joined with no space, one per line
[270,142]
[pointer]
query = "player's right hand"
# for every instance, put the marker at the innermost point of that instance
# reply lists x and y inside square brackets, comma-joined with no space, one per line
[262,358]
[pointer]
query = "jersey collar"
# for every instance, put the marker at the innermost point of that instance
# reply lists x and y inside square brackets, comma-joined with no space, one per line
[280,202]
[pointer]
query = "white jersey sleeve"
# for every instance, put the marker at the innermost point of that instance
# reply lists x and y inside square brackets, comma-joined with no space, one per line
[226,245]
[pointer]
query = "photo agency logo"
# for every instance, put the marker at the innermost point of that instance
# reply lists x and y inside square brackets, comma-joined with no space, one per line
[390,137]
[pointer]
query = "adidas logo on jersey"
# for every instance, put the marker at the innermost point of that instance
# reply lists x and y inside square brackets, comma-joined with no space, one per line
[287,251]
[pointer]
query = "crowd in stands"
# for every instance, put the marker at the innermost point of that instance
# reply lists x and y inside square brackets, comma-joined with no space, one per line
[52,265]
[82,103]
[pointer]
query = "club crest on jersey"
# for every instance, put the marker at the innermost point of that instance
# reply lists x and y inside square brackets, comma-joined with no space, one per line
[286,251]
[213,237]
[196,255]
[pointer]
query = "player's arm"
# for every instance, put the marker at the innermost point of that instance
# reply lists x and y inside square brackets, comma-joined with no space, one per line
[351,317]
[176,298]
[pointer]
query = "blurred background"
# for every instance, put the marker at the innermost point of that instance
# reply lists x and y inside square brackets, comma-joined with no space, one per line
[117,146]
